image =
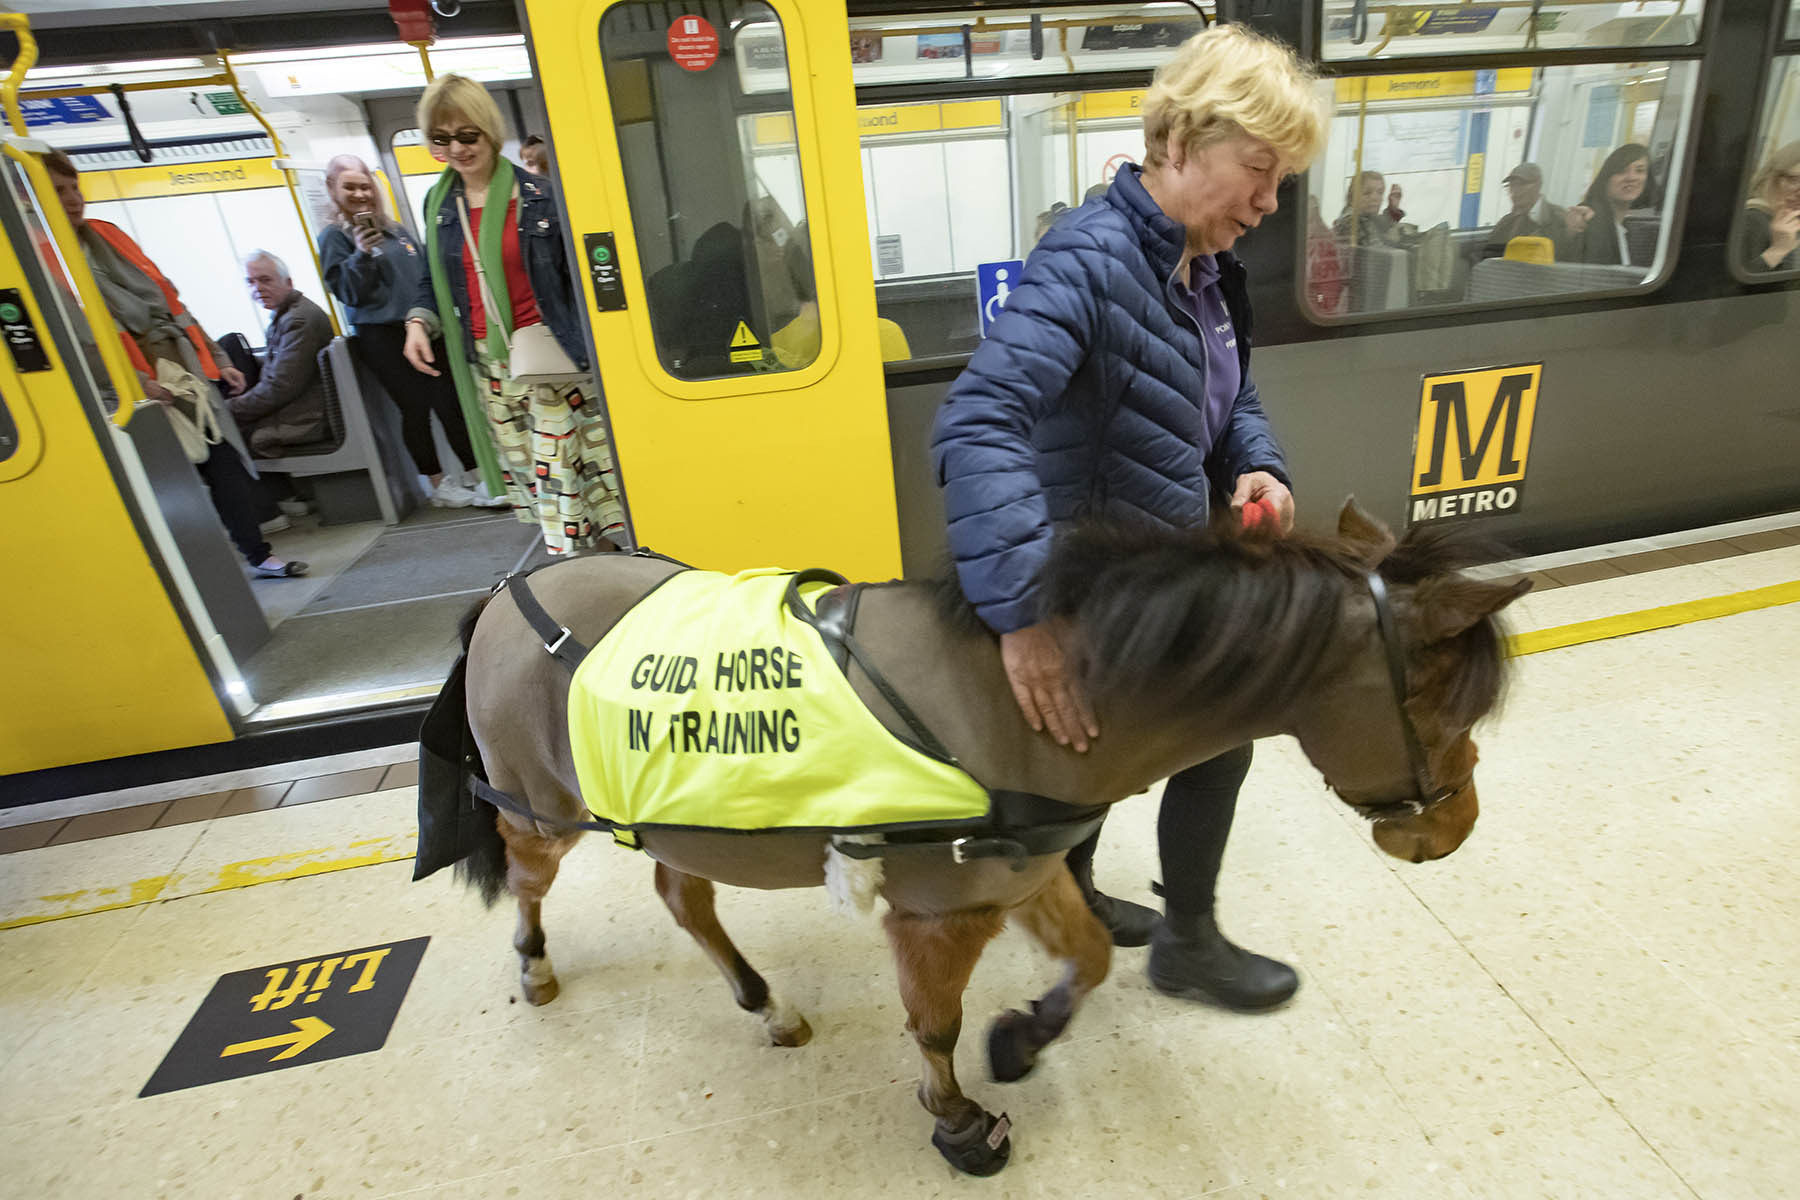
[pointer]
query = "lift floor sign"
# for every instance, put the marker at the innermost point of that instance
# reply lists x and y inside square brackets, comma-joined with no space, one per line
[1473,438]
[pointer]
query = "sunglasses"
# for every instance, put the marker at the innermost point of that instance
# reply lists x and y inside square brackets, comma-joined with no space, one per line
[462,137]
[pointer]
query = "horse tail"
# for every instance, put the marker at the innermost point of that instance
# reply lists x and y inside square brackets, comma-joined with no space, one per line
[484,867]
[465,629]
[483,864]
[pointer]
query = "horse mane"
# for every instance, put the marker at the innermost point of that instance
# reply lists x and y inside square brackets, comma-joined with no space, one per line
[1171,613]
[1164,612]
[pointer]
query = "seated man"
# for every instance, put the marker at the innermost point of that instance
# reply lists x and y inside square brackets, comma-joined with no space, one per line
[1531,215]
[287,405]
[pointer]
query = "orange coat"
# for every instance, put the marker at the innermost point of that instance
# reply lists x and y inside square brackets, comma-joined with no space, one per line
[127,249]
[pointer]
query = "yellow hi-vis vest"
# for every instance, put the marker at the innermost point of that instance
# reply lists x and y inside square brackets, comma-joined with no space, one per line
[711,705]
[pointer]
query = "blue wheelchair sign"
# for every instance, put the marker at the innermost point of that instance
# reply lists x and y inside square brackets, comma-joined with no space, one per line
[994,284]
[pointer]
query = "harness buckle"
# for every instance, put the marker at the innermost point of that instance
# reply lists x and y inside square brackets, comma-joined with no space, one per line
[968,849]
[553,647]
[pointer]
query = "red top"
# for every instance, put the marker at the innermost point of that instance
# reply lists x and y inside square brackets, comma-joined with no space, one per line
[518,284]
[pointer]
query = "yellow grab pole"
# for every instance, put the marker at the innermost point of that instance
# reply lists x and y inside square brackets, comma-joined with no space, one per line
[20,25]
[312,246]
[424,58]
[107,341]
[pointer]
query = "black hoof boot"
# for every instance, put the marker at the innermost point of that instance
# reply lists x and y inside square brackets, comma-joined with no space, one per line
[1193,960]
[981,1147]
[1011,1054]
[1130,924]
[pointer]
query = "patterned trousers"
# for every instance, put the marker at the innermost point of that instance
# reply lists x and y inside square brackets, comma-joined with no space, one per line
[555,455]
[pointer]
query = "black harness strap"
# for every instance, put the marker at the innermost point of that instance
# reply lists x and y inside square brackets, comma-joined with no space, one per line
[488,793]
[563,645]
[837,633]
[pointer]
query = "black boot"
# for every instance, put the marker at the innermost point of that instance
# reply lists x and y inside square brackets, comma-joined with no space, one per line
[1190,958]
[1130,924]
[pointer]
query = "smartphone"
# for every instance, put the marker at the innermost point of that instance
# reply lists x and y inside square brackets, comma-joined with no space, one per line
[366,220]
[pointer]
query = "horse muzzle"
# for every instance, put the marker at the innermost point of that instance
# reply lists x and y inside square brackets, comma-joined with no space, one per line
[1432,834]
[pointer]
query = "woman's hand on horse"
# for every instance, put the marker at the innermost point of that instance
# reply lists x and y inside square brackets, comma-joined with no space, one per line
[1260,485]
[418,349]
[1037,671]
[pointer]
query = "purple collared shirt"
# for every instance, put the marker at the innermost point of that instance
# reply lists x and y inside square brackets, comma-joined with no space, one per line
[1224,374]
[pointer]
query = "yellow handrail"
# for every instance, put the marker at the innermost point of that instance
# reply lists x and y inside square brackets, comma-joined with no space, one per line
[20,25]
[312,246]
[123,375]
[424,58]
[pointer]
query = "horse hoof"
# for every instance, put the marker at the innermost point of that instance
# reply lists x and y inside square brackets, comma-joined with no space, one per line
[794,1035]
[542,993]
[1011,1056]
[982,1148]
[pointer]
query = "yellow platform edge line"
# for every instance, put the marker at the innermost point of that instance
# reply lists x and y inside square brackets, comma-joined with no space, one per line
[255,872]
[1579,633]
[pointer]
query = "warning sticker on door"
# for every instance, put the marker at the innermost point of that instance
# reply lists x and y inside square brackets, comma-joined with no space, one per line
[744,346]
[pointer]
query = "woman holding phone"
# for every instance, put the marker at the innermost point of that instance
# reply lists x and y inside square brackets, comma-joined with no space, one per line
[373,265]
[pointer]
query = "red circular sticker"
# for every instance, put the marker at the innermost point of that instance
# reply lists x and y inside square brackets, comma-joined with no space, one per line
[1112,167]
[693,43]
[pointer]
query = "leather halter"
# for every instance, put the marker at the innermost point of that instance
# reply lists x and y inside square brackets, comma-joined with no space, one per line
[1424,795]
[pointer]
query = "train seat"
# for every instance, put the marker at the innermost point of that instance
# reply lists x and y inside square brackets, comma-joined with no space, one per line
[1380,278]
[357,432]
[1516,279]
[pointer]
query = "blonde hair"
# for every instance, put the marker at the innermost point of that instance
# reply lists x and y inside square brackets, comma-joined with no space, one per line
[1762,185]
[333,170]
[463,96]
[1229,80]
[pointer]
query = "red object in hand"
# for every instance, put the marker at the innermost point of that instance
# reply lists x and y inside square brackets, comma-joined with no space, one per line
[1257,513]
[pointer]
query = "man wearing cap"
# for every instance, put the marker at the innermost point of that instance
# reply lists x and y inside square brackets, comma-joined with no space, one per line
[1531,215]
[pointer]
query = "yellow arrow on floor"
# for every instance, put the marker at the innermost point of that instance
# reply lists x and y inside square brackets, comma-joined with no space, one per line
[308,1032]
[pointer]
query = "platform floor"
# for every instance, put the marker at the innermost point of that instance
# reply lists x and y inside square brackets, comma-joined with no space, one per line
[1595,997]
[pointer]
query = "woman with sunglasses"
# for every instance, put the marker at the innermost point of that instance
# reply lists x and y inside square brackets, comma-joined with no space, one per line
[497,267]
[1769,235]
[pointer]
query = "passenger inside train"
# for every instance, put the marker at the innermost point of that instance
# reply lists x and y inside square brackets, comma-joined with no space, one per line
[285,408]
[1770,236]
[179,367]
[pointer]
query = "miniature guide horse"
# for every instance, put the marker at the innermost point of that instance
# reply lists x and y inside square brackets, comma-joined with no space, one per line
[1377,657]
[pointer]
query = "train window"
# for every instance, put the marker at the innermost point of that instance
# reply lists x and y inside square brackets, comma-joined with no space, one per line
[1793,21]
[1468,187]
[714,185]
[1009,43]
[953,185]
[1362,29]
[1766,239]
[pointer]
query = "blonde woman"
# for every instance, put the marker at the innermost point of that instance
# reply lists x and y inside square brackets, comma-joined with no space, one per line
[553,455]
[373,265]
[1769,236]
[1116,383]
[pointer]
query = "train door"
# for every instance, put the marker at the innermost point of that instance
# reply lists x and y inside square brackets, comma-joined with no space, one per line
[708,160]
[94,563]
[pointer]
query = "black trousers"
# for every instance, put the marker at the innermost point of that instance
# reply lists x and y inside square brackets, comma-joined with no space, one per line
[1191,828]
[383,347]
[237,499]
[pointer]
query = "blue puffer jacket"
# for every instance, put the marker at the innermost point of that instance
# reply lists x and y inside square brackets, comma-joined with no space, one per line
[1087,398]
[546,265]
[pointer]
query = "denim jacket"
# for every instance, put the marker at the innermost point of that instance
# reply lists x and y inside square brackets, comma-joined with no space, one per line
[546,265]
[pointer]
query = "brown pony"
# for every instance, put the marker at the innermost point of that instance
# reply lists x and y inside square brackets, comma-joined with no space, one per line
[1191,644]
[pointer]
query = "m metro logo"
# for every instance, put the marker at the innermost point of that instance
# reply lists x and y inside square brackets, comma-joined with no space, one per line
[1473,438]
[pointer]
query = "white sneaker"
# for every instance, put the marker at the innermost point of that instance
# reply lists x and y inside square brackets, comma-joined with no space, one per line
[483,500]
[482,497]
[451,495]
[294,508]
[276,524]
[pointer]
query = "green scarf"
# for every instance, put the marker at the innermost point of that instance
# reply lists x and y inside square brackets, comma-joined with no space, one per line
[499,325]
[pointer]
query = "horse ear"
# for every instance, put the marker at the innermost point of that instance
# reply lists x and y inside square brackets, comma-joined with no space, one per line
[1447,606]
[1366,536]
